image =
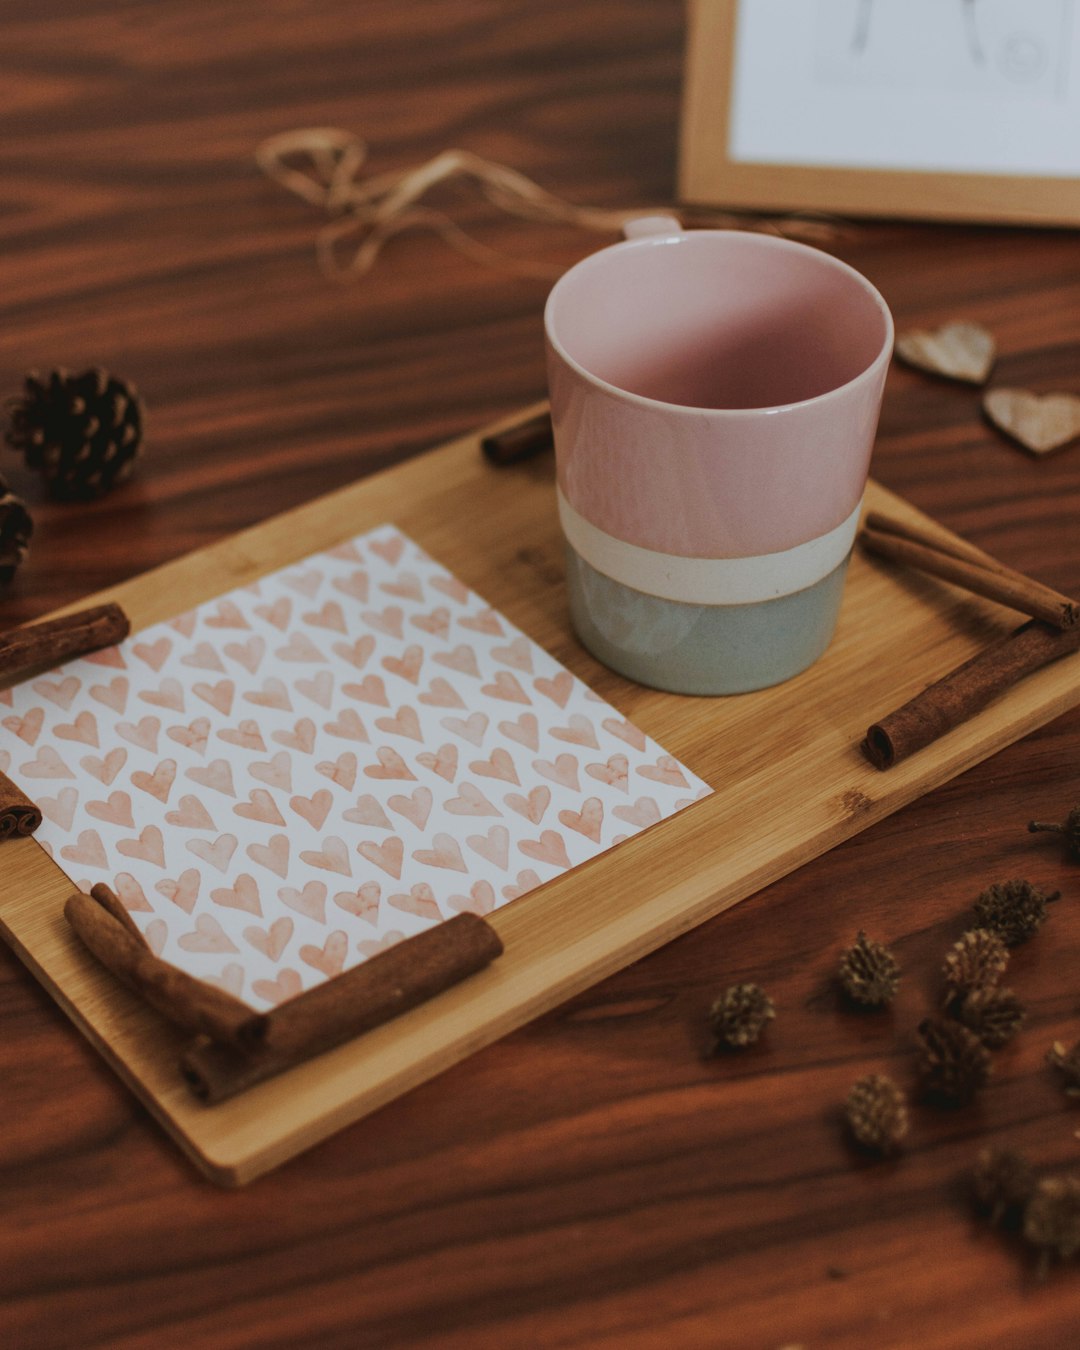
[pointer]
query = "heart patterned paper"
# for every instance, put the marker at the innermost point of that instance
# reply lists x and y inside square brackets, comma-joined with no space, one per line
[298,774]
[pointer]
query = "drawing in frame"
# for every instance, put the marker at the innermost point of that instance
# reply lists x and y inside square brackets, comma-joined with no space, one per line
[933,109]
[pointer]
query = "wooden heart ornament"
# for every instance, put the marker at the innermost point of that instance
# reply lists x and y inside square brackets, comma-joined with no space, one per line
[1039,422]
[958,351]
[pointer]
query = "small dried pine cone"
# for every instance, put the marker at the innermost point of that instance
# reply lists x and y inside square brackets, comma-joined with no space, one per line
[1014,910]
[953,1063]
[1002,1182]
[16,527]
[1067,1062]
[977,961]
[1052,1218]
[80,432]
[1069,829]
[740,1014]
[869,973]
[994,1015]
[876,1113]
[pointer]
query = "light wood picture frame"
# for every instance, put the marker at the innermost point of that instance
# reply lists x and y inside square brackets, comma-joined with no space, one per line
[928,109]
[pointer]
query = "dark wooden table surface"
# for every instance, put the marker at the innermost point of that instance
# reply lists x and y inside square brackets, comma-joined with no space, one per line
[595,1179]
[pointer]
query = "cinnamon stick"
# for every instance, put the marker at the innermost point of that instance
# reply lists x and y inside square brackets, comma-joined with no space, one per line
[55,640]
[932,538]
[966,690]
[964,566]
[18,814]
[188,1002]
[390,983]
[520,442]
[111,902]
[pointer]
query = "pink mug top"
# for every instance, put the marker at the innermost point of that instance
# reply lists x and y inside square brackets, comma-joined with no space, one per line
[715,393]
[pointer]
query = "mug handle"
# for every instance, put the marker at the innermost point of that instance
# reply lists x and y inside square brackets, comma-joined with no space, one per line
[641,227]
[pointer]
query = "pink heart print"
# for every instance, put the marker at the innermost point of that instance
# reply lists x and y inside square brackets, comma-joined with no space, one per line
[113,695]
[480,900]
[578,731]
[470,801]
[131,893]
[330,958]
[333,856]
[242,894]
[183,892]
[170,694]
[329,616]
[419,901]
[310,901]
[104,770]
[28,726]
[193,736]
[415,808]
[444,761]
[270,941]
[499,764]
[216,853]
[406,666]
[347,726]
[84,729]
[260,806]
[441,693]
[370,689]
[116,810]
[363,902]
[444,852]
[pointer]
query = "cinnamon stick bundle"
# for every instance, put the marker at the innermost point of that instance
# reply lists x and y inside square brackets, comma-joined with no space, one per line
[966,690]
[963,565]
[359,999]
[188,1002]
[55,640]
[18,814]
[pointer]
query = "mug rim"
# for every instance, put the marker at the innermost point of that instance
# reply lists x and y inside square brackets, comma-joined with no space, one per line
[682,237]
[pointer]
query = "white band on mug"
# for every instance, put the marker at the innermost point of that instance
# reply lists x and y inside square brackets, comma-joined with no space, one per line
[709,581]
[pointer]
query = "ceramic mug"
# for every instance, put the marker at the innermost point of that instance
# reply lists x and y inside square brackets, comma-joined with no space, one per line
[715,397]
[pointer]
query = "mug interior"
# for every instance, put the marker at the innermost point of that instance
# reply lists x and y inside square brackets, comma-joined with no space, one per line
[715,319]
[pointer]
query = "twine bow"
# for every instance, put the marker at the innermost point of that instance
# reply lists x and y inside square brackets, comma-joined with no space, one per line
[323,166]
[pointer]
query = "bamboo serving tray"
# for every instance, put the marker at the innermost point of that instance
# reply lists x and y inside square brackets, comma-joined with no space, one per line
[789,779]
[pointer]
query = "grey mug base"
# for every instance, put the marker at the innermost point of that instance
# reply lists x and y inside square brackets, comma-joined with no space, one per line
[701,649]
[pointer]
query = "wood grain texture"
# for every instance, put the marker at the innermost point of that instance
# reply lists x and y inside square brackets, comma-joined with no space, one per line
[593,1179]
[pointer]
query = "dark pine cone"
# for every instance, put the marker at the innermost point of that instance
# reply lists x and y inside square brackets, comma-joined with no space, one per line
[876,1113]
[1052,1219]
[81,432]
[1014,910]
[1002,1183]
[1067,1063]
[16,527]
[739,1015]
[977,961]
[953,1062]
[869,973]
[994,1015]
[1069,829]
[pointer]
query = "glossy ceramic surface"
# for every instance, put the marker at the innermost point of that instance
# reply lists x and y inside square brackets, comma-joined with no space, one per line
[715,397]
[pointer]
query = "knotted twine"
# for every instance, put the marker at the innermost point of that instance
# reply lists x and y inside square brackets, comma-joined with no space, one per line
[323,165]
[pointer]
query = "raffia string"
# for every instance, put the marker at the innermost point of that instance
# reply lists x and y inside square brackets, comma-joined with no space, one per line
[323,165]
